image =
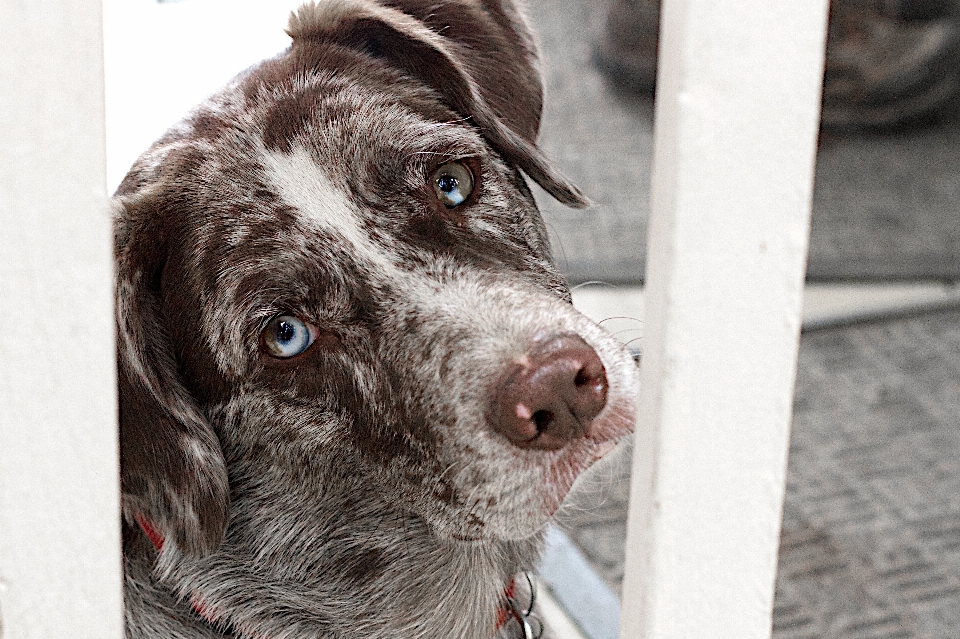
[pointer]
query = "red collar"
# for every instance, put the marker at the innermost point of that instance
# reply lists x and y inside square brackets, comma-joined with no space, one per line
[511,609]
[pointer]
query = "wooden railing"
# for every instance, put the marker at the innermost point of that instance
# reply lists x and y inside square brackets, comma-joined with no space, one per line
[736,128]
[59,493]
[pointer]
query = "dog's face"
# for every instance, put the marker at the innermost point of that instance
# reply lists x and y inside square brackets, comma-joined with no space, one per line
[336,262]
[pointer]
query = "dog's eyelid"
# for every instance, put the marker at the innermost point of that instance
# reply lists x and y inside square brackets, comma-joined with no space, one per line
[469,159]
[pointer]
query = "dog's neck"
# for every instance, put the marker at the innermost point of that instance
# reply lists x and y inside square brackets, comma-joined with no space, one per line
[350,565]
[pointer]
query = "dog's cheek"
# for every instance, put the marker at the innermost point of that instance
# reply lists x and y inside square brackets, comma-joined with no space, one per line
[343,400]
[526,224]
[420,453]
[506,236]
[399,439]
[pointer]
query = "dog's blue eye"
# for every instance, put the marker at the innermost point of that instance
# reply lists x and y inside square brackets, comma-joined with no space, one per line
[287,336]
[453,184]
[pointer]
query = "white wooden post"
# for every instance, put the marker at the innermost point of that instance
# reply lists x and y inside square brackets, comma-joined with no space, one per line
[736,128]
[59,497]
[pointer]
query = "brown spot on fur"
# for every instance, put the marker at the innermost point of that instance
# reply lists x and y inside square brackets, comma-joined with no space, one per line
[208,126]
[474,522]
[446,493]
[431,233]
[365,566]
[289,117]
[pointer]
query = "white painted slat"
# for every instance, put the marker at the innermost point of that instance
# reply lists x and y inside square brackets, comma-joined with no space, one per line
[59,496]
[736,126]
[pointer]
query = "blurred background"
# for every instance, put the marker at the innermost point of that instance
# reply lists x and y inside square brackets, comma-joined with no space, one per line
[887,182]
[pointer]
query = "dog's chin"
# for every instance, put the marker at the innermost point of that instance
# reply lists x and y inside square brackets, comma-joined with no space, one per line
[468,528]
[519,525]
[566,470]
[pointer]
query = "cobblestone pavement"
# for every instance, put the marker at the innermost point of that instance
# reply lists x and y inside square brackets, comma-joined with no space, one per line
[870,546]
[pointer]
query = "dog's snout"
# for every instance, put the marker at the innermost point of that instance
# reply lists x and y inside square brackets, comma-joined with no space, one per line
[550,395]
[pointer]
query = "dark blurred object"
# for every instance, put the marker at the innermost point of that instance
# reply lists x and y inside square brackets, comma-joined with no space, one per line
[627,49]
[889,63]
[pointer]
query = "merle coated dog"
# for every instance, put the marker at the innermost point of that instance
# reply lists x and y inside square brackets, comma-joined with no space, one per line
[353,389]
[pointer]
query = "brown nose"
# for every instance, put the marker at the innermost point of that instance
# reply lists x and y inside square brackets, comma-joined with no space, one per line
[549,397]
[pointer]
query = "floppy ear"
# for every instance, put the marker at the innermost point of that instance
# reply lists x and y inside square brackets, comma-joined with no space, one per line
[491,42]
[173,473]
[477,55]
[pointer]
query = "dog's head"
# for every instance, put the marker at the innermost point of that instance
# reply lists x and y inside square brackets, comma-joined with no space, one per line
[336,263]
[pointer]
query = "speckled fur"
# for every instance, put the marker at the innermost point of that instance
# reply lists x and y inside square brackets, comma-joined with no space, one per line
[356,490]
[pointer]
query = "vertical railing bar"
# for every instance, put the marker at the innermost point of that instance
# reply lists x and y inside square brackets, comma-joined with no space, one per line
[736,128]
[60,564]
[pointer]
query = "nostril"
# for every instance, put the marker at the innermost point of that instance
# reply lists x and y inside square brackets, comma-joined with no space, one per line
[583,378]
[591,374]
[542,419]
[551,395]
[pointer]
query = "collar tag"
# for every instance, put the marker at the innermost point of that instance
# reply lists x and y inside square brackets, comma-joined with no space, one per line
[528,625]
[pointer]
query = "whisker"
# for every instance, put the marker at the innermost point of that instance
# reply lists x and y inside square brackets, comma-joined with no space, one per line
[593,283]
[556,236]
[620,317]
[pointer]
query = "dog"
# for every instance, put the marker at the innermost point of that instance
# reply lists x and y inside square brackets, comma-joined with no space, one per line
[353,389]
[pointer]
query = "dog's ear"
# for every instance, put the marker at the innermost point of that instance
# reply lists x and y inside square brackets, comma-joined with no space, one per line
[477,55]
[173,472]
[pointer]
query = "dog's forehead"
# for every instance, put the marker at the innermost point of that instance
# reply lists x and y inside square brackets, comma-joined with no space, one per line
[347,160]
[320,150]
[360,138]
[344,108]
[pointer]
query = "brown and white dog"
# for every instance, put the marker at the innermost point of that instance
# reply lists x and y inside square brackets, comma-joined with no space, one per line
[353,390]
